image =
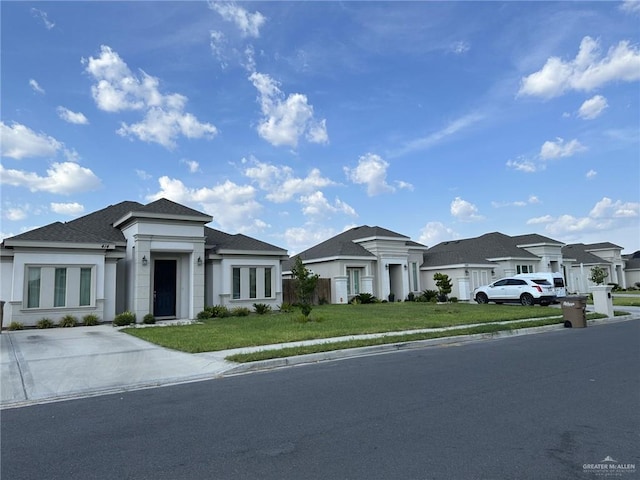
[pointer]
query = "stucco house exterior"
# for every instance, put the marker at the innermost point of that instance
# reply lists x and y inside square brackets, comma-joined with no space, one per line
[473,262]
[580,258]
[366,259]
[158,258]
[632,269]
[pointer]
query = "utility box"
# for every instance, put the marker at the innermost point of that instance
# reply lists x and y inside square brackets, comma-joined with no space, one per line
[574,311]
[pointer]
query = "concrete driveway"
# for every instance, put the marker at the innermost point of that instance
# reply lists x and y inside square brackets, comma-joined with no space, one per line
[61,363]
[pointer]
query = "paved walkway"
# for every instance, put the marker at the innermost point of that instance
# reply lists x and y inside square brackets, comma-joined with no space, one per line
[38,366]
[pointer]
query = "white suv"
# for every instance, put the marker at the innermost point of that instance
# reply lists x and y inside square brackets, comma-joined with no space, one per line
[526,291]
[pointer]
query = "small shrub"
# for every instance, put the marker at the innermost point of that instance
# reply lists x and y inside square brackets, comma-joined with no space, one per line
[45,323]
[68,321]
[90,320]
[411,297]
[453,299]
[124,318]
[261,308]
[365,298]
[240,312]
[149,319]
[305,308]
[16,326]
[219,311]
[286,307]
[204,314]
[428,296]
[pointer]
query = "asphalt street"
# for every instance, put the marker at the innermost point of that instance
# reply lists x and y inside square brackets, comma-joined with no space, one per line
[532,407]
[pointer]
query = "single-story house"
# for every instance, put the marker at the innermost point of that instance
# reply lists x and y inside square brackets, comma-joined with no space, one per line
[632,269]
[365,259]
[473,262]
[579,259]
[158,258]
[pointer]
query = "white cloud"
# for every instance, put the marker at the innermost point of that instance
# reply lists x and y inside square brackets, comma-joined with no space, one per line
[15,213]
[460,47]
[434,233]
[218,45]
[248,23]
[606,215]
[465,211]
[72,209]
[316,205]
[117,89]
[452,128]
[593,107]
[281,184]
[72,117]
[591,174]
[540,220]
[44,17]
[523,164]
[372,172]
[517,203]
[35,86]
[630,6]
[560,149]
[18,142]
[586,72]
[232,206]
[142,175]
[402,185]
[193,166]
[62,178]
[285,120]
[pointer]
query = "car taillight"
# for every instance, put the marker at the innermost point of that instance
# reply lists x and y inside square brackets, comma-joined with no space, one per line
[538,288]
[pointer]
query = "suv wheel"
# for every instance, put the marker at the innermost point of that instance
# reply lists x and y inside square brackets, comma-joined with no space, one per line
[526,299]
[482,298]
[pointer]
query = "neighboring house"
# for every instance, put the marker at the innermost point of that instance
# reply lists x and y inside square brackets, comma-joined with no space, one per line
[579,259]
[632,269]
[366,260]
[474,262]
[158,258]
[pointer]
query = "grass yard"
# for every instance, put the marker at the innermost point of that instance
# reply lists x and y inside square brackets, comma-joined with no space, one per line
[329,321]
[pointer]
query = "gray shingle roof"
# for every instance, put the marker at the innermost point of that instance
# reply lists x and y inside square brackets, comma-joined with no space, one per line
[167,207]
[218,240]
[578,251]
[479,249]
[632,262]
[534,238]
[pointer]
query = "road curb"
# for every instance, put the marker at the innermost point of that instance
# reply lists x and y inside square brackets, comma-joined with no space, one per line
[264,365]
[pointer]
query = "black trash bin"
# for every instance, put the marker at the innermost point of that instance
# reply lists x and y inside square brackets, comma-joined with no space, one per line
[574,311]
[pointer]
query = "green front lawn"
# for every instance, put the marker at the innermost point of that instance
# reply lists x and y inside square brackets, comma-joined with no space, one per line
[329,321]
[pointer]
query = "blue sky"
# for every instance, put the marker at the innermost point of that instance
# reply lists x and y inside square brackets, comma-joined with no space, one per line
[292,121]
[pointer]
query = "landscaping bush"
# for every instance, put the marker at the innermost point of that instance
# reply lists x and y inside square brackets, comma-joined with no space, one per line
[261,308]
[90,320]
[68,321]
[204,314]
[124,318]
[217,311]
[428,296]
[453,299]
[16,326]
[364,298]
[149,319]
[411,297]
[240,312]
[45,323]
[286,307]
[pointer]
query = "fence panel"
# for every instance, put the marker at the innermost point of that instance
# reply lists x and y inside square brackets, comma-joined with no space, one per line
[322,293]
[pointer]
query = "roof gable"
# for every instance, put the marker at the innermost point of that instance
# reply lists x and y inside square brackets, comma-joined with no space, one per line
[580,253]
[220,241]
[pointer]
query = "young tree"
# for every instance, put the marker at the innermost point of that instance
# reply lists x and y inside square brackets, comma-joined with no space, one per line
[444,285]
[598,274]
[306,282]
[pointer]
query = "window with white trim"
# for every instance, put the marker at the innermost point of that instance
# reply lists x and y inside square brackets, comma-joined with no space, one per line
[60,287]
[252,283]
[54,286]
[33,287]
[353,281]
[414,274]
[525,269]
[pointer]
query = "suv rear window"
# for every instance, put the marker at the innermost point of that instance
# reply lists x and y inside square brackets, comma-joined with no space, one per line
[558,282]
[541,282]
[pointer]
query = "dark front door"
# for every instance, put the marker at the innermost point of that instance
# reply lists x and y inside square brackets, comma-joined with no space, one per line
[164,288]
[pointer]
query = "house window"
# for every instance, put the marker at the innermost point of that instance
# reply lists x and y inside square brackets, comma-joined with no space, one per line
[524,269]
[252,283]
[60,287]
[267,282]
[33,287]
[353,281]
[85,287]
[414,273]
[236,283]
